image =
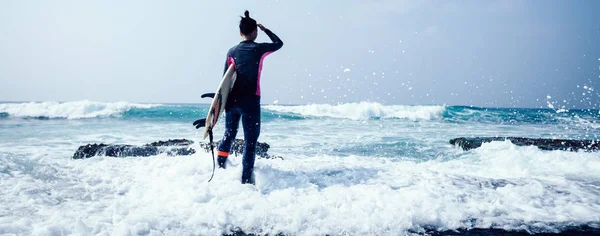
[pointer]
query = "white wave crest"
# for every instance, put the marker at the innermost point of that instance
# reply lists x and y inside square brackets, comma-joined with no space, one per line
[69,110]
[363,110]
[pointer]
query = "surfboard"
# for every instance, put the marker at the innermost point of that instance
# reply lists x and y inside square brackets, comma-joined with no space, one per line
[217,107]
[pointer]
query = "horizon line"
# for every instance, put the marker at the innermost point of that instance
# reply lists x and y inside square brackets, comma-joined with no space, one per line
[297,104]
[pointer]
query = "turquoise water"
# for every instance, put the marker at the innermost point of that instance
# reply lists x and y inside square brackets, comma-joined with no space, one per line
[390,166]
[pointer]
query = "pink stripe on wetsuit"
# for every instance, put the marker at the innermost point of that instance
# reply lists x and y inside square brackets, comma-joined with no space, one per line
[260,65]
[229,62]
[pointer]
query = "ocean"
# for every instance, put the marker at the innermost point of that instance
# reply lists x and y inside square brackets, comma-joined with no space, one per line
[347,169]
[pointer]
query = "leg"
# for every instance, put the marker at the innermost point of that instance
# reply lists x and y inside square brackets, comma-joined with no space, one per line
[232,121]
[251,123]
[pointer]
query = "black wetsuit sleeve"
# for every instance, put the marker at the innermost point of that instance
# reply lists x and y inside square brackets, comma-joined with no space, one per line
[271,47]
[226,63]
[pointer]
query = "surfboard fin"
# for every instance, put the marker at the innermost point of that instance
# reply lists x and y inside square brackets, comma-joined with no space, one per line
[210,95]
[200,123]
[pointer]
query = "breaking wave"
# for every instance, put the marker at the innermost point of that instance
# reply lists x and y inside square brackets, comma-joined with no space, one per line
[363,110]
[68,110]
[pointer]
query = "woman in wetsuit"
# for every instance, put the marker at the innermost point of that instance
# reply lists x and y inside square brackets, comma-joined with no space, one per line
[244,99]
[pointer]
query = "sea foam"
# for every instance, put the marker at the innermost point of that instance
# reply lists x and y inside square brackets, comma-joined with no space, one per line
[363,110]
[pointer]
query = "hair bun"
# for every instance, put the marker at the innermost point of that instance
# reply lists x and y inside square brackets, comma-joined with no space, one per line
[247,14]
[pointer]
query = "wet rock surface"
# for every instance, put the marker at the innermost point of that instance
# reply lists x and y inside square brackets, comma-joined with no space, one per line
[544,144]
[172,147]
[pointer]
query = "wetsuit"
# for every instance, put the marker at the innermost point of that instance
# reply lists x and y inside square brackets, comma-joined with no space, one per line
[244,99]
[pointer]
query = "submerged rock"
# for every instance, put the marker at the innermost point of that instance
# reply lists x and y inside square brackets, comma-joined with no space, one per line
[524,230]
[544,144]
[171,147]
[175,147]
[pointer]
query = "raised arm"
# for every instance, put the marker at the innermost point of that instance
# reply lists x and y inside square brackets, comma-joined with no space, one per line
[276,41]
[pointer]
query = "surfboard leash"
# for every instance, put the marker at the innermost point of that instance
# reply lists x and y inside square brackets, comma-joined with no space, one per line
[201,123]
[212,150]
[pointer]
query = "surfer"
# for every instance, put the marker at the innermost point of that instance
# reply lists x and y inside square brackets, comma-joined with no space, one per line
[244,99]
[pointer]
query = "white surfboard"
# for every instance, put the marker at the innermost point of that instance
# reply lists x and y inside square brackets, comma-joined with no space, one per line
[217,107]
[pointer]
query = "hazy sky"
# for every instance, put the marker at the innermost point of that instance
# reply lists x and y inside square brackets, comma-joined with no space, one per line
[485,53]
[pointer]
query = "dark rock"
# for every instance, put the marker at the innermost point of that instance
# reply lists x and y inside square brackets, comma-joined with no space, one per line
[544,144]
[526,230]
[171,147]
[574,230]
[175,147]
[171,142]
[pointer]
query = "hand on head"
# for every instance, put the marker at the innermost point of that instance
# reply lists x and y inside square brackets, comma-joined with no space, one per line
[261,27]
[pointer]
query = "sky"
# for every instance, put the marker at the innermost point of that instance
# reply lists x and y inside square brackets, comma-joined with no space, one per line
[495,53]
